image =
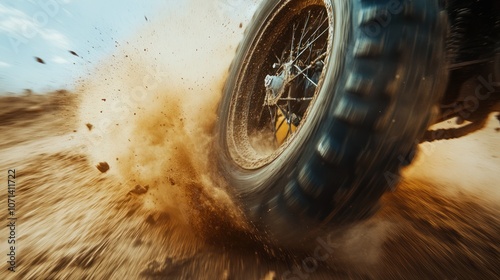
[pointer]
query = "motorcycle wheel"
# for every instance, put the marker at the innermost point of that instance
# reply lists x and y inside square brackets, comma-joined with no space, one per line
[324,102]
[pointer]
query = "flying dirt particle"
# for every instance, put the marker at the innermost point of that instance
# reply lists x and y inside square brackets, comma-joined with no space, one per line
[39,60]
[139,190]
[497,129]
[73,53]
[157,217]
[138,242]
[241,25]
[146,18]
[75,131]
[104,99]
[89,126]
[103,167]
[150,220]
[172,181]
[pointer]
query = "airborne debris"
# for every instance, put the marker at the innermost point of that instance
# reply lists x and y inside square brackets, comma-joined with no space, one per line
[150,220]
[73,53]
[146,18]
[89,126]
[103,167]
[39,60]
[139,190]
[241,25]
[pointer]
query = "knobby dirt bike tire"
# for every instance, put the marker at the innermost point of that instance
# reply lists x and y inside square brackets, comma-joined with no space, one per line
[386,70]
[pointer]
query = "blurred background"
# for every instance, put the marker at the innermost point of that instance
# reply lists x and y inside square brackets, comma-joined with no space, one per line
[52,30]
[72,37]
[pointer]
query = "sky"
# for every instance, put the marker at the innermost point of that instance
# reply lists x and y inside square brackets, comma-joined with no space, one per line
[52,29]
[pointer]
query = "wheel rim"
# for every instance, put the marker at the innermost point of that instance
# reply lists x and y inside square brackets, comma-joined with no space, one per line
[279,81]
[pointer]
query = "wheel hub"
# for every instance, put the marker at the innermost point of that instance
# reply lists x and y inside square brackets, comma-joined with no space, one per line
[274,89]
[276,84]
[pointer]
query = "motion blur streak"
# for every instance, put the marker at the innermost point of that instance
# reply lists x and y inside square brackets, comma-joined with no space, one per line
[161,213]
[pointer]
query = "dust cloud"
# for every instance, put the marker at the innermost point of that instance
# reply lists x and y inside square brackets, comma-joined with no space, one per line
[152,106]
[468,165]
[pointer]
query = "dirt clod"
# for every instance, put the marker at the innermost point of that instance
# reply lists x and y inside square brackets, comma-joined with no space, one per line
[172,181]
[150,220]
[139,190]
[103,167]
[39,60]
[89,126]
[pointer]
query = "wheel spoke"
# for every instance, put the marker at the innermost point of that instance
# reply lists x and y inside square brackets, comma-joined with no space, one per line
[323,21]
[277,58]
[309,66]
[299,58]
[297,99]
[302,36]
[281,124]
[273,119]
[310,44]
[293,41]
[316,21]
[301,72]
[261,114]
[289,104]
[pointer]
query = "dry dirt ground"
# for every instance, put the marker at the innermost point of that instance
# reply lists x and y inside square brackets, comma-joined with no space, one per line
[77,223]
